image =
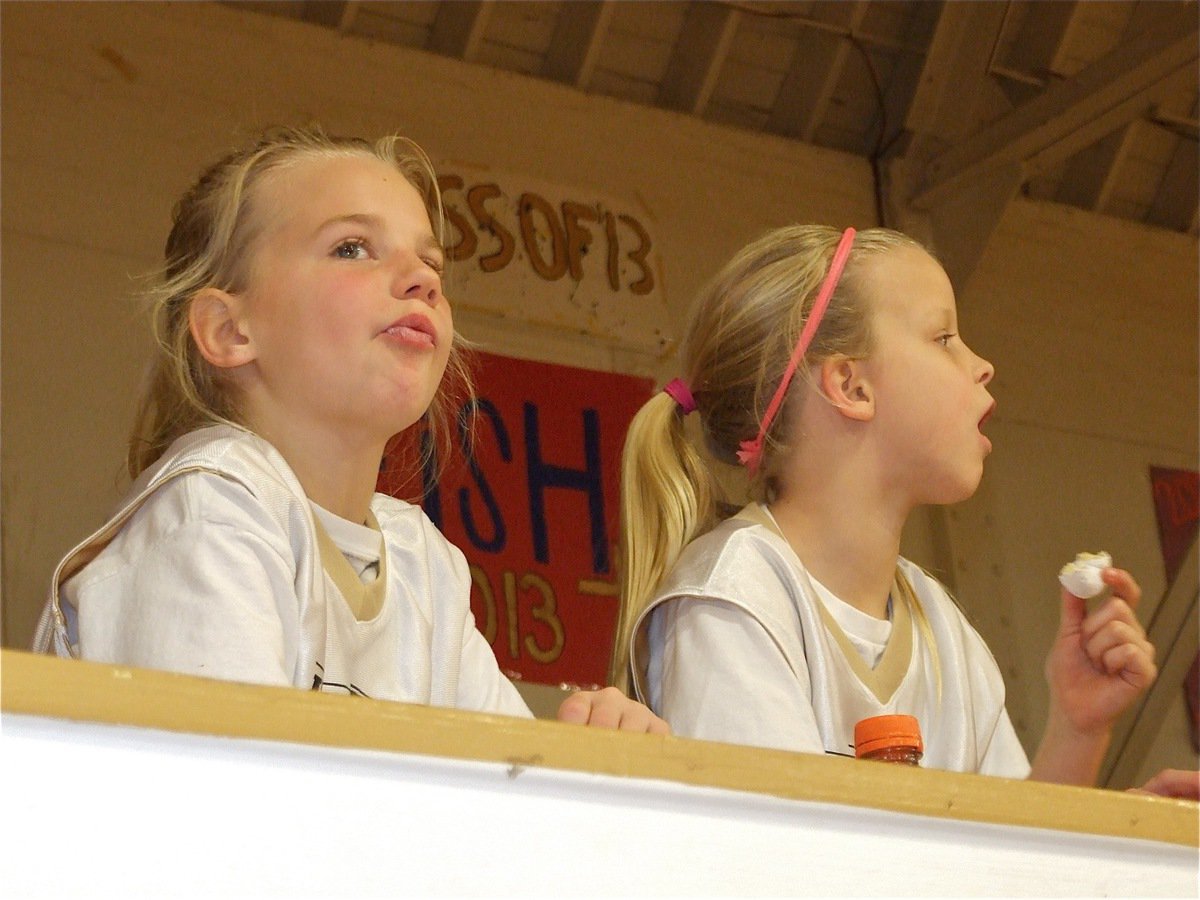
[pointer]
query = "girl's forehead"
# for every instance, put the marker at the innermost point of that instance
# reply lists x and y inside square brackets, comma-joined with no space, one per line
[316,187]
[315,177]
[906,281]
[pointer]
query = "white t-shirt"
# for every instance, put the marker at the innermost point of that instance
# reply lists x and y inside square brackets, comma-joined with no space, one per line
[204,579]
[739,646]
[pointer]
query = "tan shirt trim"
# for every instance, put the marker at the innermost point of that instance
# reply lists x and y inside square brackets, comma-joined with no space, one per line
[885,679]
[364,600]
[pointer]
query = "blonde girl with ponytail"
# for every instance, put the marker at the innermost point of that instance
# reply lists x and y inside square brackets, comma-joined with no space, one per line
[829,364]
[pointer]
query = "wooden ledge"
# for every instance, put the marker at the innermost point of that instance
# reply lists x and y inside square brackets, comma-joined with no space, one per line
[91,692]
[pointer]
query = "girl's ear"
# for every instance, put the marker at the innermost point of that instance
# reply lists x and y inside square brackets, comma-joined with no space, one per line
[214,319]
[844,384]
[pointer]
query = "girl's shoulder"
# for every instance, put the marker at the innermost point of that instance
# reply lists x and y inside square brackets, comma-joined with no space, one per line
[392,512]
[228,451]
[940,605]
[723,561]
[407,523]
[213,481]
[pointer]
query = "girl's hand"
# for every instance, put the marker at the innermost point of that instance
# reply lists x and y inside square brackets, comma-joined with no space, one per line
[1099,663]
[609,708]
[1172,783]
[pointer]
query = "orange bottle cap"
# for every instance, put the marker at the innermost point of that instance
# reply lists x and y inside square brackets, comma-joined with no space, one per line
[879,732]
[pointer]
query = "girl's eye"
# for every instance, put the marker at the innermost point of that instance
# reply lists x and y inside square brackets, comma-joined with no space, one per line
[435,264]
[351,249]
[945,339]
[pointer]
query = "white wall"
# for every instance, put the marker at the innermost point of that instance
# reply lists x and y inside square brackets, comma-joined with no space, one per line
[275,819]
[1092,325]
[109,110]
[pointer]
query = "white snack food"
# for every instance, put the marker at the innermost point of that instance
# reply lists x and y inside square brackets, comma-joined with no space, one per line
[1082,577]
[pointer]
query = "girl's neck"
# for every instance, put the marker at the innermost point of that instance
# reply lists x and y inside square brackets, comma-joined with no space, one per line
[337,472]
[846,542]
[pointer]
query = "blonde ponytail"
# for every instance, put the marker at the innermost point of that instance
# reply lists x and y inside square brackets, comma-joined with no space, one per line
[667,498]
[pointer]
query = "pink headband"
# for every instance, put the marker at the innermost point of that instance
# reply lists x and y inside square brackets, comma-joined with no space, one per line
[751,453]
[681,394]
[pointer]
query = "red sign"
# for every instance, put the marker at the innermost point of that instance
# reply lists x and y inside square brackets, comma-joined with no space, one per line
[532,502]
[1177,506]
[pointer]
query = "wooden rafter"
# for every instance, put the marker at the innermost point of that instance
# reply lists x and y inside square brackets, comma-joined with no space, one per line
[699,54]
[338,14]
[1177,200]
[578,37]
[1092,174]
[1070,115]
[944,105]
[1038,45]
[814,74]
[459,27]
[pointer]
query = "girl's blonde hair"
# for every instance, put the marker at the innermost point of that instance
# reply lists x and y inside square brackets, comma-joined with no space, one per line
[215,226]
[743,329]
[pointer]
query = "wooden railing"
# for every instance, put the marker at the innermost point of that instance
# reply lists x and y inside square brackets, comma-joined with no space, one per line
[90,692]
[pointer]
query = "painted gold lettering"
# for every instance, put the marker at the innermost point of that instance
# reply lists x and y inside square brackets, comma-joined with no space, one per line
[578,237]
[645,284]
[476,197]
[465,246]
[614,251]
[547,613]
[556,266]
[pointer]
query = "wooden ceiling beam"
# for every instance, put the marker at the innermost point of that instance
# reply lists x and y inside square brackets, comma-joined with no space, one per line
[459,27]
[955,74]
[1073,114]
[575,47]
[946,105]
[813,76]
[1034,55]
[1091,175]
[337,14]
[1177,201]
[1038,46]
[699,54]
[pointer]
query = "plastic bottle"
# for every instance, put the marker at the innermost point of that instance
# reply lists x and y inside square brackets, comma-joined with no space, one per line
[890,739]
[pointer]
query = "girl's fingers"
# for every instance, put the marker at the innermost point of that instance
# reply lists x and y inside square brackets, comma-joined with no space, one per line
[1112,610]
[1131,663]
[1114,634]
[1123,585]
[609,708]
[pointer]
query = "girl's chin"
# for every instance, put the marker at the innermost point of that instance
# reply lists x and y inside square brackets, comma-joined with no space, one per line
[958,491]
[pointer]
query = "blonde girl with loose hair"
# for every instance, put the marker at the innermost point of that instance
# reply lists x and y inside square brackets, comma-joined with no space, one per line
[301,326]
[212,228]
[830,365]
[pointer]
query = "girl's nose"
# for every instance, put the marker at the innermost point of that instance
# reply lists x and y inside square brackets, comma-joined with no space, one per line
[986,371]
[418,281]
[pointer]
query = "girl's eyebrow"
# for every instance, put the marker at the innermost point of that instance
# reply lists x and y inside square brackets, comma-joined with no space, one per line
[367,220]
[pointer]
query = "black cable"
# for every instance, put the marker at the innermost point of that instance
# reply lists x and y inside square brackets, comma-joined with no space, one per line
[875,157]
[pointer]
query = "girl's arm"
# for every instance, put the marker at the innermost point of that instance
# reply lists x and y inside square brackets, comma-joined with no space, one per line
[1097,667]
[199,582]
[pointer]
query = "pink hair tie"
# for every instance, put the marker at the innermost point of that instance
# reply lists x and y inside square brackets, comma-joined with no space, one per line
[678,391]
[750,454]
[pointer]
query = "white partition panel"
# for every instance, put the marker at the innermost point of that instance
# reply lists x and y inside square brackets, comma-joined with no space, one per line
[113,810]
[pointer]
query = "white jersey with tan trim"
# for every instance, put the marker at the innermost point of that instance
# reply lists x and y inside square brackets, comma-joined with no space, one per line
[738,647]
[214,565]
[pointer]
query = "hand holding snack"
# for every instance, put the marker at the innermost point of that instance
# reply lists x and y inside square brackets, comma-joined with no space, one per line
[1082,577]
